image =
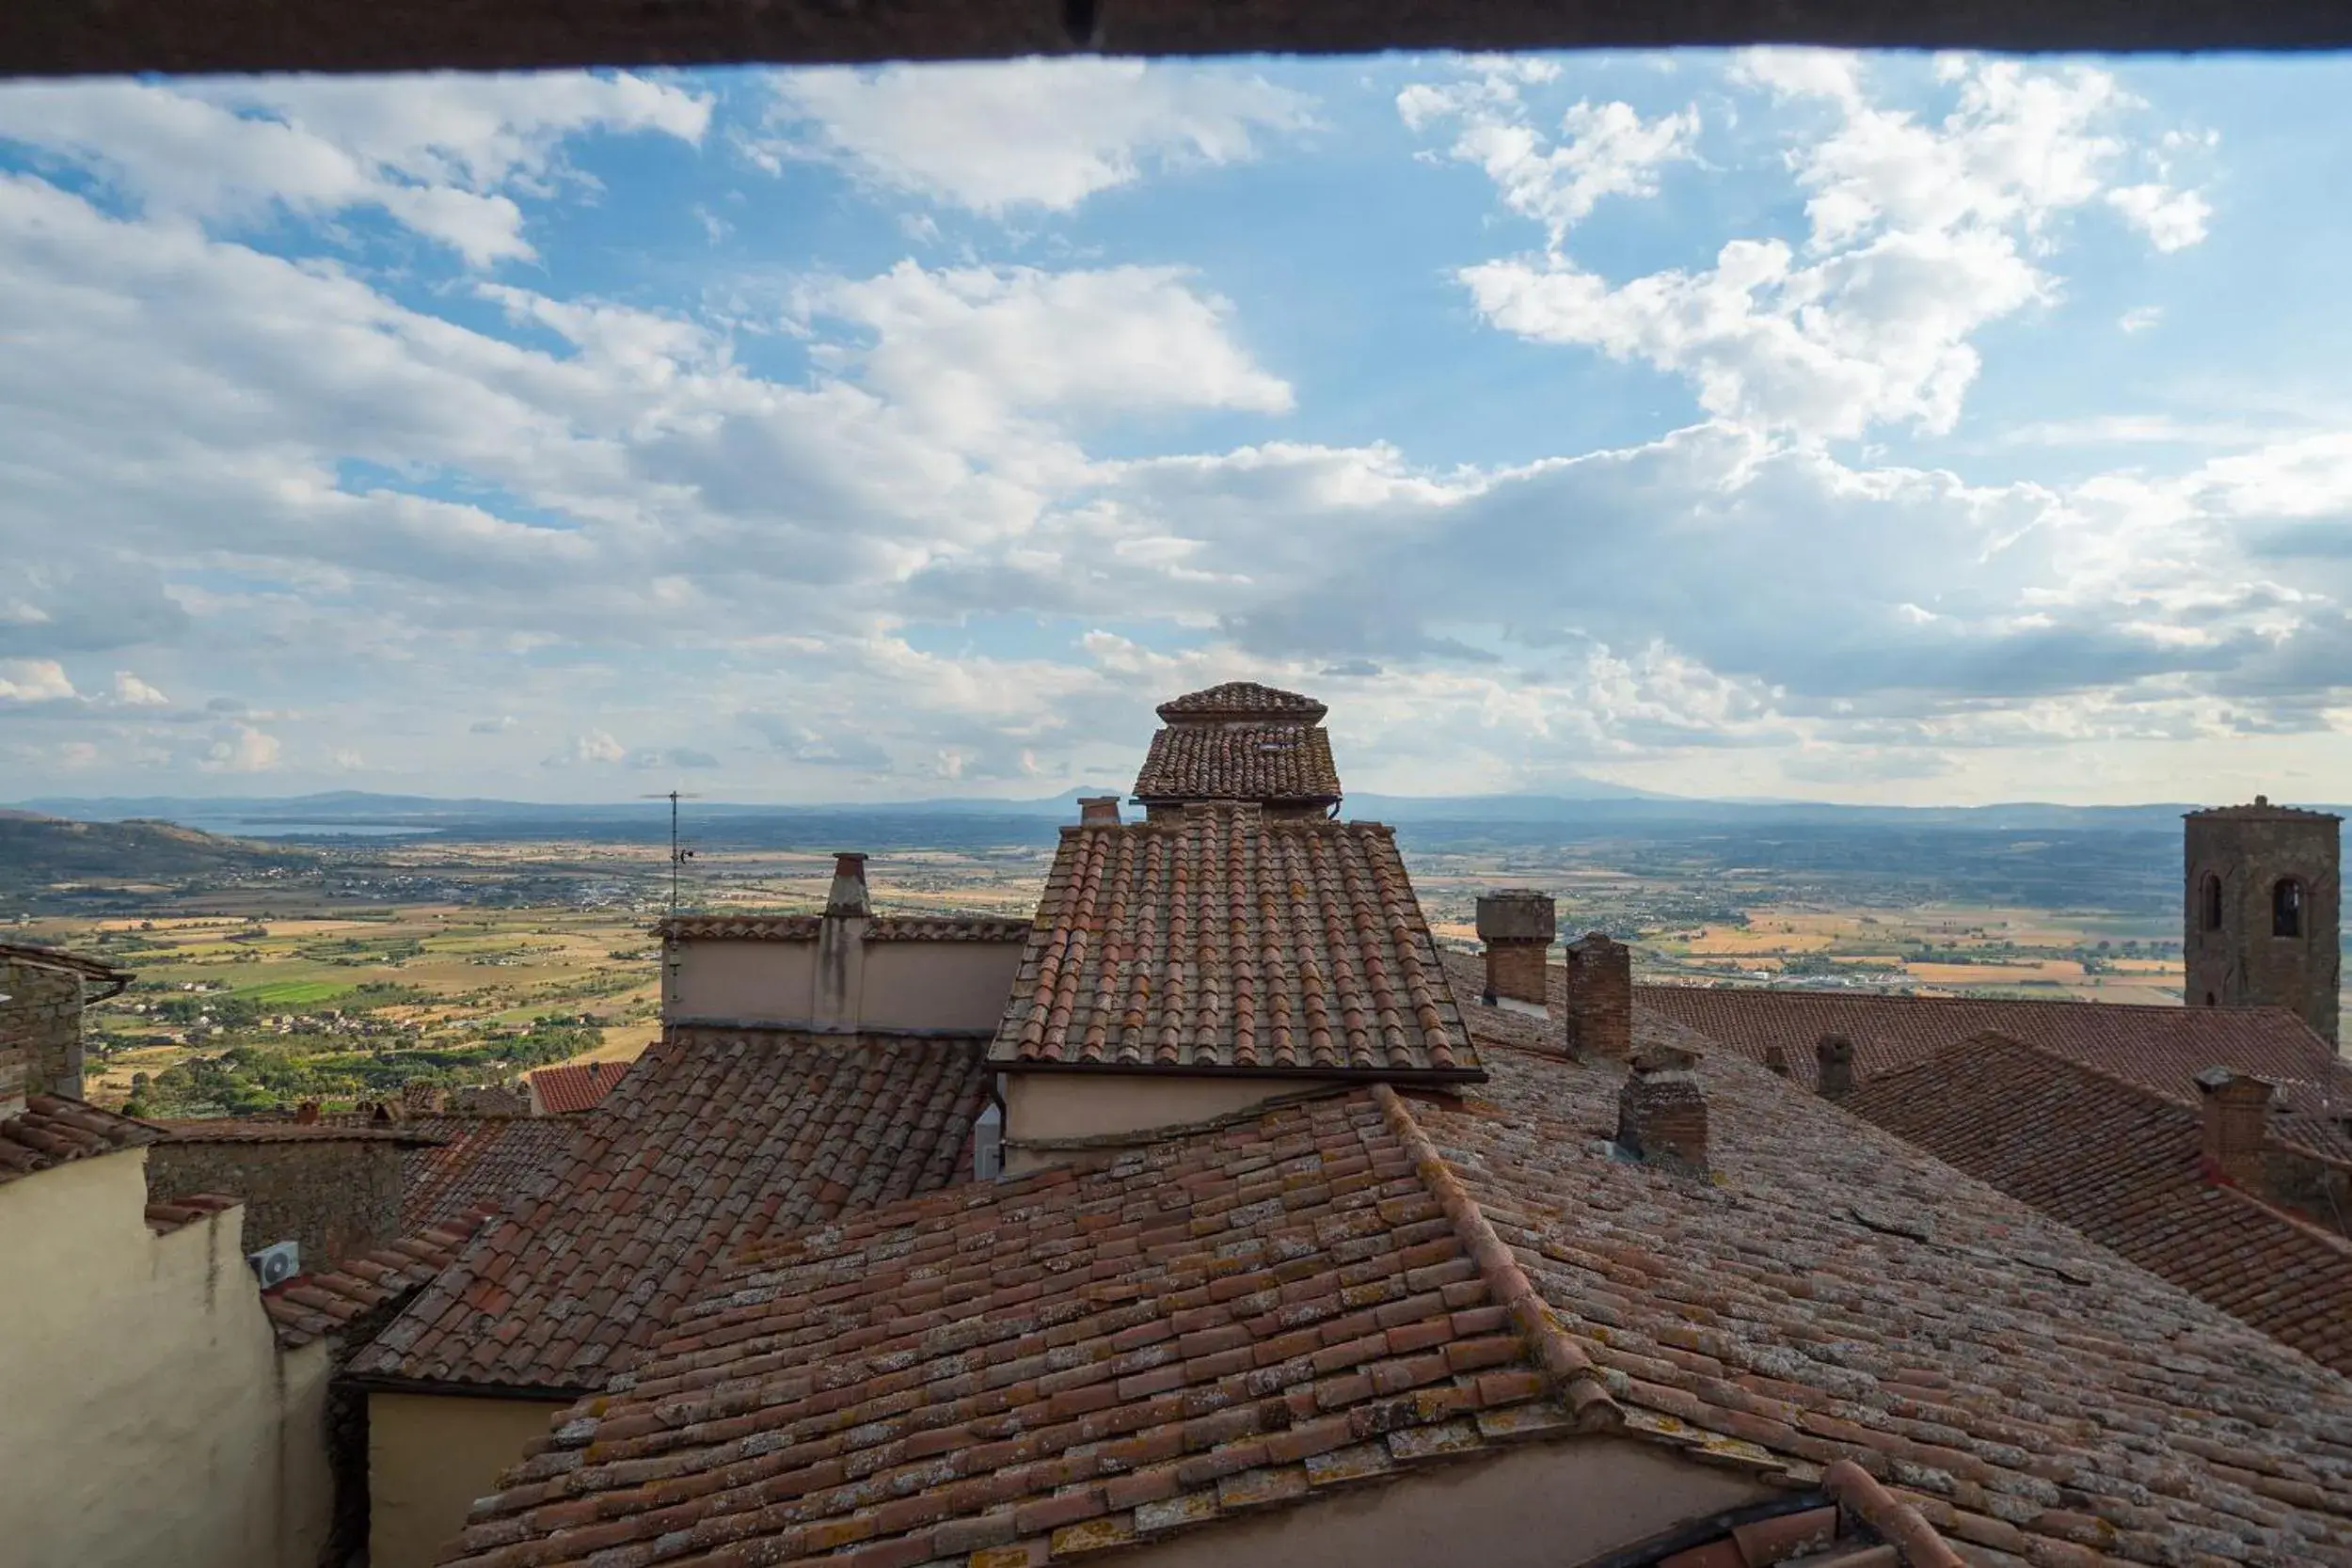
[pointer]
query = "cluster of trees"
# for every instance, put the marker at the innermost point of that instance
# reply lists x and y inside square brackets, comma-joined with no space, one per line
[249,1079]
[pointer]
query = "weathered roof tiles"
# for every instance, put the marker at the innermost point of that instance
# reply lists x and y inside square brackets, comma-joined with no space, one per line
[1275,764]
[1222,941]
[1242,701]
[716,1137]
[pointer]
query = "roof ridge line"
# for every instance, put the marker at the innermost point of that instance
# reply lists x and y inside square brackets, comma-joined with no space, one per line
[1564,1365]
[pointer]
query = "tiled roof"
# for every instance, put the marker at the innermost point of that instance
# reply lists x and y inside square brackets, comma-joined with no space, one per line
[2265,810]
[1345,1289]
[51,1131]
[945,927]
[228,1129]
[716,1137]
[1236,699]
[58,957]
[803,927]
[1069,1362]
[579,1086]
[313,1306]
[2122,1166]
[1220,940]
[2159,1047]
[1830,1291]
[1248,762]
[480,1159]
[762,927]
[174,1213]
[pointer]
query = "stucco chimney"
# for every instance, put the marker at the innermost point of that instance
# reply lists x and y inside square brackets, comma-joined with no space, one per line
[1517,925]
[1833,1064]
[1662,1113]
[1599,997]
[2236,1125]
[1098,811]
[848,897]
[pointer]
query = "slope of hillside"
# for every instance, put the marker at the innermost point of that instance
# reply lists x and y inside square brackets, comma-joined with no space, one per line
[39,853]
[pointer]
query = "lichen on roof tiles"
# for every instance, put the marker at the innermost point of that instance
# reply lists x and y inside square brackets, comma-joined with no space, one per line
[1242,700]
[1276,764]
[2123,1165]
[1222,941]
[715,1137]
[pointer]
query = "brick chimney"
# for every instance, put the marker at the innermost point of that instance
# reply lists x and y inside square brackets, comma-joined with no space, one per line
[1833,1059]
[1662,1113]
[848,895]
[1516,925]
[2236,1125]
[307,1113]
[1098,811]
[1599,998]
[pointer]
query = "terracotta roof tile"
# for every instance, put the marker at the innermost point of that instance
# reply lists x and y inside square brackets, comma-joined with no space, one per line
[480,1159]
[315,1305]
[1222,941]
[1830,1292]
[1061,1363]
[578,1087]
[1343,1289]
[1242,700]
[172,1215]
[716,1137]
[2268,811]
[2159,1047]
[1270,763]
[803,927]
[51,1131]
[2124,1166]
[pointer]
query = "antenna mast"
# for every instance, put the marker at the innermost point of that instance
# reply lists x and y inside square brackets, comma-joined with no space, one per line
[678,856]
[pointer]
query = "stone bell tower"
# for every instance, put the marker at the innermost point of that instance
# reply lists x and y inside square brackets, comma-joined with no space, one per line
[2261,893]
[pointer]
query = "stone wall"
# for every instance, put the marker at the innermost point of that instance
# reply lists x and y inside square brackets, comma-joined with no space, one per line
[2241,962]
[1599,998]
[337,1198]
[43,1020]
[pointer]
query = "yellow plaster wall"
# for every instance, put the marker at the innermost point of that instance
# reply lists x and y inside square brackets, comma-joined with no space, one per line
[755,981]
[937,985]
[429,1457]
[146,1414]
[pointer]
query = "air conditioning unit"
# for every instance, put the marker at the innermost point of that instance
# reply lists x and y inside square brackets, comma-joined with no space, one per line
[275,1265]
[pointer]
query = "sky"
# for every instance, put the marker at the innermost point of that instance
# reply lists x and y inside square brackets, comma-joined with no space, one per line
[1905,429]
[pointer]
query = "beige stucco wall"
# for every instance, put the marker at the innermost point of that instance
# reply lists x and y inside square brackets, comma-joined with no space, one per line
[1059,1106]
[1549,1505]
[879,985]
[429,1457]
[146,1414]
[748,980]
[937,985]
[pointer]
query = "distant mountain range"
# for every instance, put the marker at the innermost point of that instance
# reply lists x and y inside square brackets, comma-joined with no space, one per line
[1589,807]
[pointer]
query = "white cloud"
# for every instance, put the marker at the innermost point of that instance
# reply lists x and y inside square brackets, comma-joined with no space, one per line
[2139,318]
[438,154]
[588,749]
[34,680]
[1026,133]
[131,691]
[1605,149]
[1920,234]
[2172,220]
[347,759]
[238,748]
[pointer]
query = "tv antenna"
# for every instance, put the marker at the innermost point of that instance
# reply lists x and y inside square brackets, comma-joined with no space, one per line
[678,856]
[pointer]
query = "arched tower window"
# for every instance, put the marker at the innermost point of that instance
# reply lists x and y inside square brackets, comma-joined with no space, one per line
[2209,902]
[2286,908]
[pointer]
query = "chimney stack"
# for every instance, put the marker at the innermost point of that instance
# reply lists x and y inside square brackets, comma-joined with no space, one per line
[1599,998]
[1834,1061]
[1516,925]
[848,895]
[1662,1113]
[2236,1125]
[1776,1059]
[307,1113]
[1098,811]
